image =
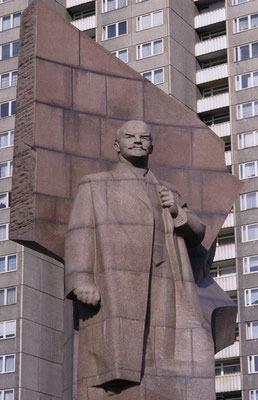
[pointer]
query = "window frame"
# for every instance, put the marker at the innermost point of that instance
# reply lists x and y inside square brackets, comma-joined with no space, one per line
[236,2]
[10,105]
[241,140]
[10,79]
[9,167]
[249,330]
[7,201]
[253,394]
[237,53]
[116,24]
[11,44]
[4,329]
[4,363]
[243,201]
[245,233]
[246,265]
[5,296]
[238,81]
[116,54]
[248,296]
[4,391]
[140,17]
[11,21]
[236,23]
[152,71]
[139,49]
[6,263]
[104,6]
[251,364]
[240,107]
[242,170]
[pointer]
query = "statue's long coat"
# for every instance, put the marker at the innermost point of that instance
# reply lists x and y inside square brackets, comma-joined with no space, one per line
[109,242]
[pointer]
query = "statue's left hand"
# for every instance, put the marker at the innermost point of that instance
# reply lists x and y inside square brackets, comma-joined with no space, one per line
[167,199]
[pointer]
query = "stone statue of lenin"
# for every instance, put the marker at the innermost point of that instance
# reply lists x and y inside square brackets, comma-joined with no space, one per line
[142,334]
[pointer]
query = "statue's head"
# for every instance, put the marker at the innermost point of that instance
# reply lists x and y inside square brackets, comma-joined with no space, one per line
[134,142]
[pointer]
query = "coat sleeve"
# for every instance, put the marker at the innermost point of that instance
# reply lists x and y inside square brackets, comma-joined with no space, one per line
[80,241]
[188,225]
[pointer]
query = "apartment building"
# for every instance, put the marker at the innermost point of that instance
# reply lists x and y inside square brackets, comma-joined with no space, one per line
[205,54]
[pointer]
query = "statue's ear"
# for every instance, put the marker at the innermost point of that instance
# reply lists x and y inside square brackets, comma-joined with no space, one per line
[116,146]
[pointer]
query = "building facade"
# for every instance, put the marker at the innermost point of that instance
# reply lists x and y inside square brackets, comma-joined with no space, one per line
[205,54]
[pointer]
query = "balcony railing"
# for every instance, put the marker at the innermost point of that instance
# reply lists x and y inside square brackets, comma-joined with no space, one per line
[228,383]
[209,46]
[73,3]
[225,252]
[228,157]
[222,129]
[210,17]
[227,283]
[85,23]
[212,73]
[213,102]
[229,352]
[229,221]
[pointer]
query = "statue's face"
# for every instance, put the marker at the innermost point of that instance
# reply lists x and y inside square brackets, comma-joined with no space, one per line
[134,141]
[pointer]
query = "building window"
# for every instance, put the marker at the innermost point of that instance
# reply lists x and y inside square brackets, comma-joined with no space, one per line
[4,232]
[223,270]
[156,76]
[6,169]
[245,23]
[9,79]
[149,49]
[247,170]
[149,20]
[7,364]
[252,364]
[115,30]
[246,81]
[248,139]
[247,110]
[252,330]
[253,394]
[250,264]
[249,232]
[110,5]
[8,263]
[7,394]
[6,140]
[10,21]
[251,297]
[236,2]
[8,109]
[7,330]
[216,119]
[121,54]
[247,51]
[248,201]
[7,296]
[4,200]
[227,368]
[212,35]
[212,91]
[9,50]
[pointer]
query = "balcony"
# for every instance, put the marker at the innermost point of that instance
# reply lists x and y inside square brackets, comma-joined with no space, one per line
[211,45]
[212,74]
[228,158]
[85,23]
[209,18]
[222,129]
[229,221]
[228,383]
[229,352]
[227,283]
[74,3]
[213,102]
[225,252]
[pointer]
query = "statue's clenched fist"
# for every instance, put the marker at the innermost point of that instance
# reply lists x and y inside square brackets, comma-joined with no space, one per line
[88,293]
[168,200]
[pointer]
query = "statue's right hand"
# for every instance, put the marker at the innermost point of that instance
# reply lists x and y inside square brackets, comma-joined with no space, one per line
[88,294]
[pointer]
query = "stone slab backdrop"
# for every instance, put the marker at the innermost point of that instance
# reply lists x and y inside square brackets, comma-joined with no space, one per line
[72,96]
